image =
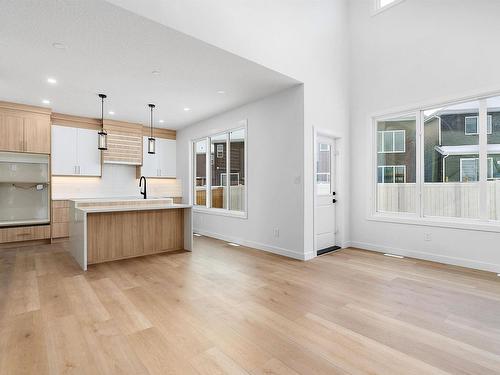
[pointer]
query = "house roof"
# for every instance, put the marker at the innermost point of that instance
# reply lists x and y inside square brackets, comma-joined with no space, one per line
[466,149]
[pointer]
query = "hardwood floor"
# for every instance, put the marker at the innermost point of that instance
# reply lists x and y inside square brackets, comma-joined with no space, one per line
[226,310]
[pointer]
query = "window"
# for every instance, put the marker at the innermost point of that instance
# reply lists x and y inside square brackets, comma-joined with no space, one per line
[323,169]
[200,172]
[391,174]
[390,141]
[384,4]
[471,125]
[214,158]
[449,173]
[469,169]
[396,164]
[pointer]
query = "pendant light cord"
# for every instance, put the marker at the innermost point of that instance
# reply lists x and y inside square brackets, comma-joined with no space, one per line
[151,106]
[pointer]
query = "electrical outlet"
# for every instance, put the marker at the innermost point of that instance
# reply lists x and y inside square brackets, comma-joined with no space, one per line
[427,237]
[276,232]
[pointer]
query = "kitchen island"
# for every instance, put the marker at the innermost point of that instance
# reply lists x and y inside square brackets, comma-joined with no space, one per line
[103,230]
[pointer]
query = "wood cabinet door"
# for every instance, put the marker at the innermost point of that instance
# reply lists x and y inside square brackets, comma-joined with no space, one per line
[11,132]
[63,154]
[37,134]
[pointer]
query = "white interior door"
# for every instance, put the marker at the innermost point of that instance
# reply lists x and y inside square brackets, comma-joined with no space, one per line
[325,194]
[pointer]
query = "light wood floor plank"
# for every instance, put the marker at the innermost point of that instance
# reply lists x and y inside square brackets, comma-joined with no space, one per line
[226,310]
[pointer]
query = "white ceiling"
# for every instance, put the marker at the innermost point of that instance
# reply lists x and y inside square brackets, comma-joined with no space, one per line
[113,51]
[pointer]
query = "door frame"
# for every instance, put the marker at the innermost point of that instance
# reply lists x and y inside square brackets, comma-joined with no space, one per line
[339,211]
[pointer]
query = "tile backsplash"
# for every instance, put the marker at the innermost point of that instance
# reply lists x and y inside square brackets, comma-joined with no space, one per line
[116,181]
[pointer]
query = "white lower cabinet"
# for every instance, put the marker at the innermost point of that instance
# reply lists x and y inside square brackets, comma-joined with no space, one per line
[74,152]
[163,162]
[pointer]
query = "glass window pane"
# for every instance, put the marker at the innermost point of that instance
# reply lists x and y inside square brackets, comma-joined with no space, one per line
[471,125]
[200,173]
[237,177]
[399,141]
[218,165]
[493,183]
[396,188]
[380,145]
[451,173]
[388,141]
[323,182]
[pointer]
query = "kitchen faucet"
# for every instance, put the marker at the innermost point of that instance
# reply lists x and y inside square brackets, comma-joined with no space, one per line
[145,193]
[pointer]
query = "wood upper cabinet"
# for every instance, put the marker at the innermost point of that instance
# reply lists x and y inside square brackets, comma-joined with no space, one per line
[37,134]
[24,128]
[11,132]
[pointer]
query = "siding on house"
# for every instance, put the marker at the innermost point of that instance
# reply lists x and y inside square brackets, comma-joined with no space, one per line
[406,158]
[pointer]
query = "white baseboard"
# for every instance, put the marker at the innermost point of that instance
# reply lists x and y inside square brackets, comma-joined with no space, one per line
[255,245]
[462,262]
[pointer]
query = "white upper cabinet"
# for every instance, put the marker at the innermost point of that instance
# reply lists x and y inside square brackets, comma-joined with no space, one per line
[167,157]
[163,162]
[88,155]
[63,152]
[150,162]
[75,152]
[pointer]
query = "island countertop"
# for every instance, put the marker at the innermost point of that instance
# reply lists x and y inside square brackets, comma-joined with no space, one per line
[145,207]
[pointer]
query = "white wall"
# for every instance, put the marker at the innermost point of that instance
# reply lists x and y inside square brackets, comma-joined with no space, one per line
[275,164]
[419,51]
[116,181]
[305,39]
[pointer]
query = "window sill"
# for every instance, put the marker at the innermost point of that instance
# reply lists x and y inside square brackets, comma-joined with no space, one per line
[221,212]
[454,223]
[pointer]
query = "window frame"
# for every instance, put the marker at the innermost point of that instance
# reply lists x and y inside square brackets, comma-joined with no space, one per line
[208,209]
[489,125]
[489,169]
[383,132]
[393,173]
[483,223]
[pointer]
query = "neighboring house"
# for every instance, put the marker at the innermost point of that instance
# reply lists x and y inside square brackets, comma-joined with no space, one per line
[451,149]
[218,164]
[452,146]
[396,151]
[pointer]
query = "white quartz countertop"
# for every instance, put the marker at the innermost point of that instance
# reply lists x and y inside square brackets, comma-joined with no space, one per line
[143,207]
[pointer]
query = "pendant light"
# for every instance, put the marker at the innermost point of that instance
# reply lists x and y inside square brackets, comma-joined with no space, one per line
[102,143]
[151,139]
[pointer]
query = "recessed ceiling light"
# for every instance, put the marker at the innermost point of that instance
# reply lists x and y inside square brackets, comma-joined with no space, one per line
[58,45]
[155,72]
[233,244]
[111,113]
[52,81]
[161,121]
[221,92]
[187,109]
[45,101]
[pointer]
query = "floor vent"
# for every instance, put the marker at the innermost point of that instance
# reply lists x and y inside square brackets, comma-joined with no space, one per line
[394,256]
[327,250]
[233,244]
